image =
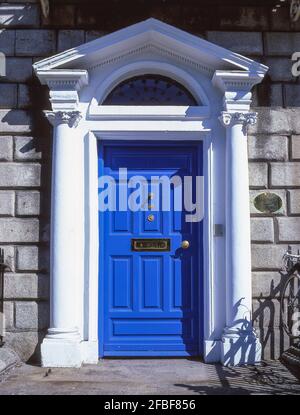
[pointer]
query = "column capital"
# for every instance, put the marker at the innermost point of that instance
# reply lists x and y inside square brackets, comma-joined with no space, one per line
[244,118]
[71,118]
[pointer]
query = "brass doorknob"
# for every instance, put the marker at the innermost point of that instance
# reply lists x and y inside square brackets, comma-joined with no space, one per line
[185,244]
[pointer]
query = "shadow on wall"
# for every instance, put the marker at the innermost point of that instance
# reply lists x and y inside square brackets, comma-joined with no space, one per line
[42,142]
[268,323]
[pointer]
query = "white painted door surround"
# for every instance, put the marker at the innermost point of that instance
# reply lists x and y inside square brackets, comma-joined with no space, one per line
[221,81]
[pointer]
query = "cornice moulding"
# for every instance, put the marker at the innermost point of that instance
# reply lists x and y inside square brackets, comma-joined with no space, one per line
[68,79]
[228,81]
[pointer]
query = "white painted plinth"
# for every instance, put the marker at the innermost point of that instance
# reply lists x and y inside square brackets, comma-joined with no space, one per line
[61,353]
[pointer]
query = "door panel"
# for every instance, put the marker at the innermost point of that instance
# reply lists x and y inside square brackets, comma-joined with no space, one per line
[150,301]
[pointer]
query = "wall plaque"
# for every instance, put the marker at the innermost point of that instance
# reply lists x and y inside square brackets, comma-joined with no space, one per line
[268,202]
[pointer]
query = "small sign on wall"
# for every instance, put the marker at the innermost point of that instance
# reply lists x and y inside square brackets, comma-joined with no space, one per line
[268,202]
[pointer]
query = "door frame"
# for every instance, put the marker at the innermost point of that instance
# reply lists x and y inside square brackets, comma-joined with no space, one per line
[200,258]
[93,246]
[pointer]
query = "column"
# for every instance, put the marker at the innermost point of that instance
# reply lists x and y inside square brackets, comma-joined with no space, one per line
[61,346]
[239,342]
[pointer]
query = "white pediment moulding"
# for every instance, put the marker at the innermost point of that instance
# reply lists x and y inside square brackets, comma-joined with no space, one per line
[155,33]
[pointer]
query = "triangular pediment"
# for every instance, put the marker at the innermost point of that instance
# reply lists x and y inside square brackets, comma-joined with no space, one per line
[156,36]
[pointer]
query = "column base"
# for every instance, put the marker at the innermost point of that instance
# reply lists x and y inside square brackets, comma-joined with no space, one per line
[61,348]
[238,349]
[90,352]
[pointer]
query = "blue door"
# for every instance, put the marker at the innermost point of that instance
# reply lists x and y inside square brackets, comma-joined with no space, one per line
[150,288]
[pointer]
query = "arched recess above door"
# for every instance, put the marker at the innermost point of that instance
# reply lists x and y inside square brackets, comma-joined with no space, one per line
[150,89]
[196,103]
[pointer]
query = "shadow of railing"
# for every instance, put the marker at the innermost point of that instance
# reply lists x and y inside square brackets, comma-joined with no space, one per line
[267,378]
[267,320]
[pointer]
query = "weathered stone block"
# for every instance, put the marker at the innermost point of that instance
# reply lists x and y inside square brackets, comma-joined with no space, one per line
[7,202]
[32,258]
[19,15]
[249,43]
[292,95]
[26,148]
[68,39]
[7,42]
[285,174]
[26,286]
[258,175]
[18,69]
[294,202]
[32,315]
[8,310]
[24,100]
[280,20]
[19,230]
[94,34]
[269,257]
[280,69]
[27,258]
[262,230]
[8,95]
[276,95]
[9,257]
[288,229]
[279,192]
[268,147]
[242,17]
[281,43]
[25,343]
[272,121]
[27,203]
[294,117]
[6,148]
[296,146]
[19,175]
[35,42]
[267,95]
[15,121]
[63,14]
[266,284]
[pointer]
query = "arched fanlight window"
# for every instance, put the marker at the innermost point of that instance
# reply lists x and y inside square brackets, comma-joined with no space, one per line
[150,90]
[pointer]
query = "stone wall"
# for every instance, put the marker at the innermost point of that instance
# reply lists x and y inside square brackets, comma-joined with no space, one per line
[274,166]
[25,138]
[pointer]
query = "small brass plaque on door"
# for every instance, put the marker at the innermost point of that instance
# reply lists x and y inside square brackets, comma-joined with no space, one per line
[151,245]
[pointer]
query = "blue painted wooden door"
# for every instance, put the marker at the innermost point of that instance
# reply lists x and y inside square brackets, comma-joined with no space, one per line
[149,301]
